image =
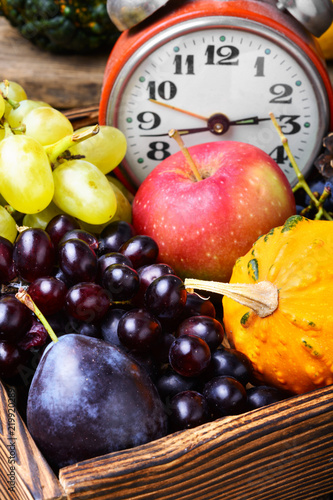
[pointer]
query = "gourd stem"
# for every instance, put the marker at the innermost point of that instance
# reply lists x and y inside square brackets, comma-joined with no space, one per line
[262,297]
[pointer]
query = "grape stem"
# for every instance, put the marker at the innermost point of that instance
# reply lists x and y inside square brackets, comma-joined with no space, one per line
[262,297]
[23,296]
[13,104]
[301,180]
[54,151]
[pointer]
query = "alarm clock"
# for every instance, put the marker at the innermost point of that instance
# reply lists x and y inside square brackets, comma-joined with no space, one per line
[214,70]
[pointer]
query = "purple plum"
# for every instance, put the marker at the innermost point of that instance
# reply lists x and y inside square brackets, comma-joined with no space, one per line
[88,398]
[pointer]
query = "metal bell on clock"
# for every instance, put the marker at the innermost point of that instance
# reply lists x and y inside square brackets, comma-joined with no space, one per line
[316,16]
[128,13]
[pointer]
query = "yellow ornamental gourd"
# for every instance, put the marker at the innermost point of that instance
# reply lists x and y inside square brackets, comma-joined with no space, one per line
[278,307]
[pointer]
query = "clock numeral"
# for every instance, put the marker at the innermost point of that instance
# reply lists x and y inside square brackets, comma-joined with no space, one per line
[165,90]
[189,63]
[259,66]
[281,91]
[228,54]
[279,155]
[148,120]
[158,151]
[294,127]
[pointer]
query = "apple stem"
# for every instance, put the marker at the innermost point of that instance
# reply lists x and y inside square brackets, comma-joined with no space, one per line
[262,297]
[23,296]
[174,134]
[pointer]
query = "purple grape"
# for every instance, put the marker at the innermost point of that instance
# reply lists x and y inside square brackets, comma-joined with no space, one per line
[107,260]
[48,294]
[187,409]
[147,275]
[33,254]
[11,359]
[114,235]
[36,336]
[264,395]
[205,327]
[161,350]
[83,235]
[121,281]
[15,319]
[198,306]
[77,261]
[139,330]
[232,363]
[171,383]
[87,302]
[59,226]
[225,396]
[142,250]
[189,355]
[165,297]
[109,326]
[90,330]
[7,270]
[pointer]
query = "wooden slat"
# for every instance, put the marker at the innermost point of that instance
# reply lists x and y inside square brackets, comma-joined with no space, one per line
[31,475]
[283,451]
[64,81]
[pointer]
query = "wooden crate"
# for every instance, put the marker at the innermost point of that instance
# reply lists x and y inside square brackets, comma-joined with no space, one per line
[279,452]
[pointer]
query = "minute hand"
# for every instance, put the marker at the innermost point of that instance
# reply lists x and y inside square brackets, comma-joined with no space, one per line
[217,124]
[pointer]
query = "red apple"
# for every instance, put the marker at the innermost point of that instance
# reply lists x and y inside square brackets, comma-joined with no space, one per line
[203,226]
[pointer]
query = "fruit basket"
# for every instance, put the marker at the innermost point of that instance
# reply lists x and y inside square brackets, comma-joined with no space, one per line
[281,451]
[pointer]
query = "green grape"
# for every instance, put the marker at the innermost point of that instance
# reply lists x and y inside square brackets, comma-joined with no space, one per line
[17,115]
[8,227]
[82,190]
[13,91]
[105,150]
[115,181]
[26,175]
[2,106]
[124,208]
[41,219]
[2,134]
[123,212]
[47,125]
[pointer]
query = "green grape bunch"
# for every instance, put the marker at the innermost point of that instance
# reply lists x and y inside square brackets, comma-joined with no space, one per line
[47,168]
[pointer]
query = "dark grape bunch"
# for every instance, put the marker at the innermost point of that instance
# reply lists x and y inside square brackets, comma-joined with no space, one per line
[319,194]
[112,287]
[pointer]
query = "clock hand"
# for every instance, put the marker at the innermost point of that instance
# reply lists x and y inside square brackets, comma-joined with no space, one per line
[252,120]
[217,124]
[179,109]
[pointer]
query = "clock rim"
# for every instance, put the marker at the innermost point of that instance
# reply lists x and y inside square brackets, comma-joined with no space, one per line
[266,14]
[126,172]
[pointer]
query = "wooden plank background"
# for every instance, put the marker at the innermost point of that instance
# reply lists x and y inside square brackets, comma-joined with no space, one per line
[64,81]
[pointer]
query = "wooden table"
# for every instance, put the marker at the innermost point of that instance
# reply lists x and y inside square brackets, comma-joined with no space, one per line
[64,81]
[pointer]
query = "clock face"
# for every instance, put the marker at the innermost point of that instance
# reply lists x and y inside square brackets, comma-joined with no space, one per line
[215,82]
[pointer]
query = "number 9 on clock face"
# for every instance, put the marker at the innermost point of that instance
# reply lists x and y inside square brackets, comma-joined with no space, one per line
[218,82]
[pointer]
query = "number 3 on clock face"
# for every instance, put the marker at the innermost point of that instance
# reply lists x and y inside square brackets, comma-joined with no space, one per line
[218,83]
